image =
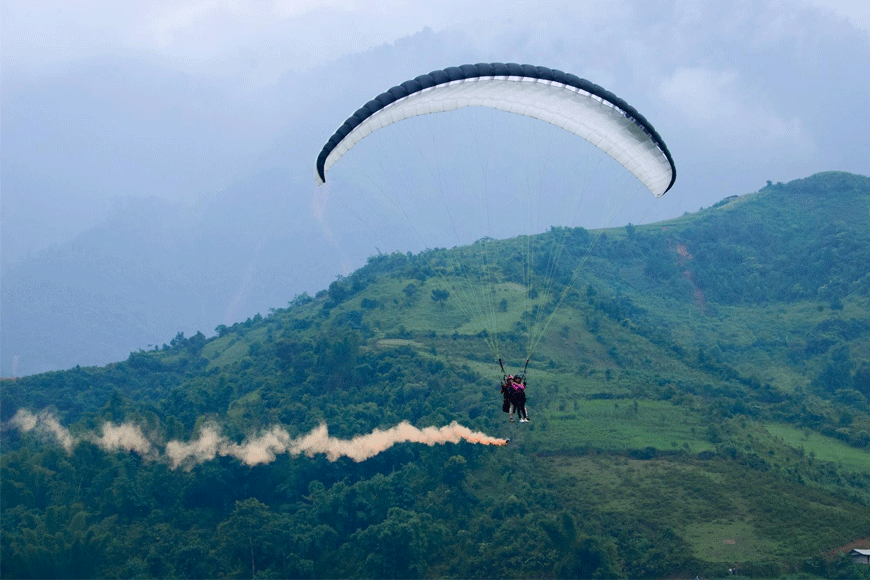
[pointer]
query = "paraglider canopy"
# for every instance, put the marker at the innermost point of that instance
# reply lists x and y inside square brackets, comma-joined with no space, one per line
[562,99]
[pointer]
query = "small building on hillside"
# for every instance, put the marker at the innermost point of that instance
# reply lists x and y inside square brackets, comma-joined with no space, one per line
[860,556]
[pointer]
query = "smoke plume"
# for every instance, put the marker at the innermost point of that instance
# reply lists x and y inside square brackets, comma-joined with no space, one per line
[276,441]
[126,437]
[44,424]
[256,450]
[123,437]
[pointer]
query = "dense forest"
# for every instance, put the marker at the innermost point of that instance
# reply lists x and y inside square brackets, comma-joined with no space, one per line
[699,403]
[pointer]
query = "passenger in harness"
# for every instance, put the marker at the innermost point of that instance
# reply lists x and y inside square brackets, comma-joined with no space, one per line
[518,397]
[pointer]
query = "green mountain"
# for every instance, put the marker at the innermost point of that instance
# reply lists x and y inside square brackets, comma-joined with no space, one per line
[698,403]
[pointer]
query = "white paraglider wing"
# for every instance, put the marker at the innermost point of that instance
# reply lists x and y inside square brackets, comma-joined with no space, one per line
[561,99]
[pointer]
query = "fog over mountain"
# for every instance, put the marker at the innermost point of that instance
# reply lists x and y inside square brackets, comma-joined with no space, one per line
[147,192]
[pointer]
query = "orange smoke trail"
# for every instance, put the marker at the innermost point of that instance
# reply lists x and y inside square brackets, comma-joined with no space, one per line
[263,448]
[363,447]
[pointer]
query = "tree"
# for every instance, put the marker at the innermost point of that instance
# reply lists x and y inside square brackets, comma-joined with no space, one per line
[455,470]
[398,547]
[253,538]
[196,342]
[861,379]
[581,556]
[837,371]
[60,544]
[179,341]
[441,296]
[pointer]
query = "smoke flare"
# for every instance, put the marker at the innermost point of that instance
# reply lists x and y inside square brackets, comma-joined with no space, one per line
[260,449]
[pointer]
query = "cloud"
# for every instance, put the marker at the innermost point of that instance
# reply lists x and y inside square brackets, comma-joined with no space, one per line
[718,106]
[221,37]
[857,12]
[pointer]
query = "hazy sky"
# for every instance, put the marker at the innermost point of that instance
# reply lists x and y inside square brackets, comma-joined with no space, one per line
[725,83]
[266,36]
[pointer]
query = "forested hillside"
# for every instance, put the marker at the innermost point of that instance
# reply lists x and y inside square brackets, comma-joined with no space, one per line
[698,403]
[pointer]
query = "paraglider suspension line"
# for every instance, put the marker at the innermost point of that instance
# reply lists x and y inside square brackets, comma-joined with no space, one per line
[504,372]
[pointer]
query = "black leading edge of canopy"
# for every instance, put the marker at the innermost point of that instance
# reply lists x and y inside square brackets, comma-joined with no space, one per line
[467,71]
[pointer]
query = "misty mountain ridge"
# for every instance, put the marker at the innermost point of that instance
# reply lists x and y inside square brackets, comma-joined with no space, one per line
[141,277]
